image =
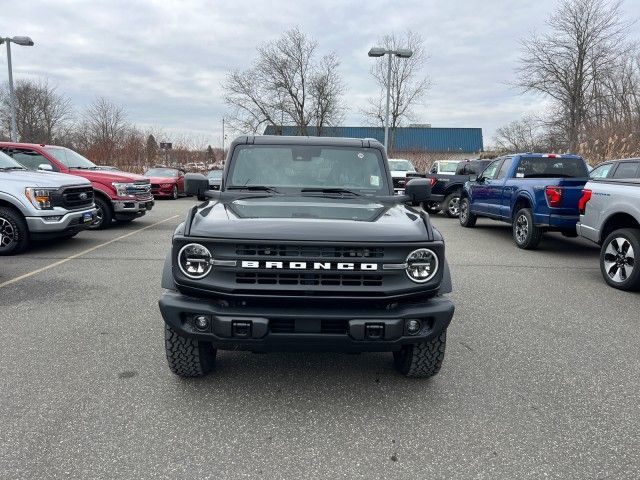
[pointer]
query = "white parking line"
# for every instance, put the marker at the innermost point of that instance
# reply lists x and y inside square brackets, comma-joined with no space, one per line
[80,254]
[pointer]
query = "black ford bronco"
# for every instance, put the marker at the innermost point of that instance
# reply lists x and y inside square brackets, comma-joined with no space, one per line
[306,247]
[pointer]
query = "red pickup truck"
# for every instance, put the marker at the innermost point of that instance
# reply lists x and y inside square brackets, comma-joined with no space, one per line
[119,195]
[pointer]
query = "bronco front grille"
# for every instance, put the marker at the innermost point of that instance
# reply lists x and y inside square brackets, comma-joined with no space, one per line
[308,251]
[321,279]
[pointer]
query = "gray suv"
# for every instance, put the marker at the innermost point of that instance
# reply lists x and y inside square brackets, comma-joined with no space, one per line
[40,205]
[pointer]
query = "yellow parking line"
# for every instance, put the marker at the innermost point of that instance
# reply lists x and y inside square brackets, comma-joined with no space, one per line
[80,254]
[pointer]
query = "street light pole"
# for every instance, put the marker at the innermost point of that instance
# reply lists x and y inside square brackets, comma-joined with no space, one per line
[380,52]
[386,122]
[27,42]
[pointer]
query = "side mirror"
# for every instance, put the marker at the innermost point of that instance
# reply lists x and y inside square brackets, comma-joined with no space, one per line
[418,190]
[196,184]
[473,177]
[45,167]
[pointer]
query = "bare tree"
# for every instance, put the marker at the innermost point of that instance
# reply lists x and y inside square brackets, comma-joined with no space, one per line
[104,126]
[42,113]
[286,84]
[567,64]
[525,135]
[409,85]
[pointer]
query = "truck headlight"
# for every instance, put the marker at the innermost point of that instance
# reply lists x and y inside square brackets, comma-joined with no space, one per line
[39,197]
[195,261]
[422,265]
[121,189]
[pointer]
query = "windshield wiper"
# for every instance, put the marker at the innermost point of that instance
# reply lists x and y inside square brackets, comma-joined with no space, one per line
[12,168]
[341,191]
[254,188]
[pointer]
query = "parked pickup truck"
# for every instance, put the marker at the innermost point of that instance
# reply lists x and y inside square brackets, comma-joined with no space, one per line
[446,188]
[401,171]
[533,192]
[306,247]
[118,195]
[38,205]
[610,217]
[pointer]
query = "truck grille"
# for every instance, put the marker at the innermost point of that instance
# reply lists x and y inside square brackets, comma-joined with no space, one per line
[308,251]
[73,198]
[322,279]
[139,188]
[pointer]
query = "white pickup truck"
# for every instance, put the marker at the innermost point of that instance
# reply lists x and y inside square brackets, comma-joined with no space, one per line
[40,205]
[610,217]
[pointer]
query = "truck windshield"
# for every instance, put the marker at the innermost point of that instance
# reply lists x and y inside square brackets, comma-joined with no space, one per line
[546,167]
[401,165]
[8,163]
[298,167]
[448,167]
[70,159]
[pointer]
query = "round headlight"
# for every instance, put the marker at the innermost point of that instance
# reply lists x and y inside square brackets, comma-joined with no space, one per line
[195,261]
[422,265]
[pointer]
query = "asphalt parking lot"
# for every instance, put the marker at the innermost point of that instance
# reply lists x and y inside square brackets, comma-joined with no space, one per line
[541,376]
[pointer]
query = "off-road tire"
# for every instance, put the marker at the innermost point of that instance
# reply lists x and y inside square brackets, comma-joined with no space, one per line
[451,205]
[188,357]
[14,233]
[526,235]
[421,360]
[609,264]
[104,216]
[467,219]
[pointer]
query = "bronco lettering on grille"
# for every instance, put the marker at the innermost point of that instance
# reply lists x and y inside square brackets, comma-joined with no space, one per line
[309,265]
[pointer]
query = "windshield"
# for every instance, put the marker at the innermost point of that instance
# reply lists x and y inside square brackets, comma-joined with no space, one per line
[161,172]
[545,167]
[302,167]
[401,165]
[69,158]
[7,162]
[449,167]
[215,174]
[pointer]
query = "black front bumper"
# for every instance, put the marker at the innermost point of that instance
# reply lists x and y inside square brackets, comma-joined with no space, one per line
[294,327]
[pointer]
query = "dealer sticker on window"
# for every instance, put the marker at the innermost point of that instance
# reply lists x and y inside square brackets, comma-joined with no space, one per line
[374,181]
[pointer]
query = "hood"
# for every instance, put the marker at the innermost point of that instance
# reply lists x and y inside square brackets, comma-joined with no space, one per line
[399,173]
[108,177]
[309,218]
[161,179]
[29,178]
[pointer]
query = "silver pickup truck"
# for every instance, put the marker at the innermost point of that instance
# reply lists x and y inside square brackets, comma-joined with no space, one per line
[40,205]
[610,217]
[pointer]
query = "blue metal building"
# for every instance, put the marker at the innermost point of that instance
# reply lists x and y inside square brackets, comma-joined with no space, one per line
[404,139]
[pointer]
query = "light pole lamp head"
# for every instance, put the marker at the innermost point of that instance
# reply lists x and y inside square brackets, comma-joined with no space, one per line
[403,53]
[24,41]
[377,52]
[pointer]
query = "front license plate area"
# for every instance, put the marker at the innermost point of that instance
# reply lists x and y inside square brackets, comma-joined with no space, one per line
[87,217]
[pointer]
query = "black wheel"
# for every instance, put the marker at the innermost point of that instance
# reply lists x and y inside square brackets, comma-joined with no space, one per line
[451,205]
[618,259]
[104,215]
[14,233]
[188,357]
[431,207]
[467,219]
[525,233]
[174,193]
[421,360]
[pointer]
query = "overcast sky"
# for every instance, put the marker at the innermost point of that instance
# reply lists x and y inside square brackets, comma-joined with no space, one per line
[164,60]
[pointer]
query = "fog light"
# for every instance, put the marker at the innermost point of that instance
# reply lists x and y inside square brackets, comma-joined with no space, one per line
[201,322]
[413,326]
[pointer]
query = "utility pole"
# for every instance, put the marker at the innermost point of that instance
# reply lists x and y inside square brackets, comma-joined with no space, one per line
[26,42]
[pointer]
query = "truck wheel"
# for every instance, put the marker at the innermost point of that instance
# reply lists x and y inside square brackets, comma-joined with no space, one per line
[467,219]
[14,233]
[525,233]
[421,360]
[103,215]
[618,259]
[451,205]
[188,357]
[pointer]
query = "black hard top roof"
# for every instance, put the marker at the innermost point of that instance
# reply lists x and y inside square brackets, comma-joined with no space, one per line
[303,140]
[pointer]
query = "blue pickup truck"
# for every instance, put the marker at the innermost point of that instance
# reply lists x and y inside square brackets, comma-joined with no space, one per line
[533,192]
